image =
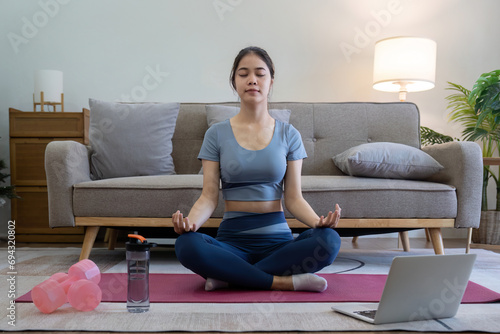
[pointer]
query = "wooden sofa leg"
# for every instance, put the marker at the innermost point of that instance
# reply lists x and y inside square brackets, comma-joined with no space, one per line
[88,241]
[106,236]
[469,240]
[113,235]
[437,240]
[405,240]
[427,237]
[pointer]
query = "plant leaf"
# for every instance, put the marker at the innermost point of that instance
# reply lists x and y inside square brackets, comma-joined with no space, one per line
[484,81]
[431,137]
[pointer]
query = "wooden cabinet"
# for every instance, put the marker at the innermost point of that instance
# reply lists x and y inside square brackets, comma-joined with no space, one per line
[30,132]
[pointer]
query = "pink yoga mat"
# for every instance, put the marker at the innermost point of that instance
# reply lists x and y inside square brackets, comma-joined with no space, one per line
[189,288]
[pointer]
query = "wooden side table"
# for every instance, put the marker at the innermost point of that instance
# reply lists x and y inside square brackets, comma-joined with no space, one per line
[491,161]
[30,132]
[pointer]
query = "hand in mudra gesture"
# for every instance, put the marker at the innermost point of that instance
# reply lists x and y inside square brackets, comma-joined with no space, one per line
[331,220]
[182,225]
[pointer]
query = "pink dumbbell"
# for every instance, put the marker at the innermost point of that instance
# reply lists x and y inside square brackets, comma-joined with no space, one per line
[78,287]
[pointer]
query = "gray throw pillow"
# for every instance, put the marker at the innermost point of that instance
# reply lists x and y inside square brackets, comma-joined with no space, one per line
[131,139]
[218,113]
[387,160]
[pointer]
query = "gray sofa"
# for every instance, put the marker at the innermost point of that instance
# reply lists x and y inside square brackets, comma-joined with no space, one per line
[450,198]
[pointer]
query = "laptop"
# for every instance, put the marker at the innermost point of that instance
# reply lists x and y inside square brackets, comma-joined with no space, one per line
[417,288]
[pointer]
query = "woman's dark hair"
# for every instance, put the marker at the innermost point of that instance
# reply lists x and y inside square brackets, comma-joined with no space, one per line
[261,53]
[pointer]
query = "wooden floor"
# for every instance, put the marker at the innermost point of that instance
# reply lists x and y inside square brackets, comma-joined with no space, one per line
[362,243]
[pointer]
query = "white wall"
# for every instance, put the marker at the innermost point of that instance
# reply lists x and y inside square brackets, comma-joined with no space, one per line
[108,49]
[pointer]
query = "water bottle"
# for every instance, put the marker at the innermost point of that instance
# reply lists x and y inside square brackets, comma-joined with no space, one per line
[138,273]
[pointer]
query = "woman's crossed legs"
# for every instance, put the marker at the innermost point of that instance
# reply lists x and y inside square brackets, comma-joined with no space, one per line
[270,268]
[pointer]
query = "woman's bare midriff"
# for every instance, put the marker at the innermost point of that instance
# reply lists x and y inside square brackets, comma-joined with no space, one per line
[254,206]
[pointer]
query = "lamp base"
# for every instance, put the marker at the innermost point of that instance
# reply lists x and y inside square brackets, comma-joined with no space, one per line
[42,103]
[402,95]
[403,90]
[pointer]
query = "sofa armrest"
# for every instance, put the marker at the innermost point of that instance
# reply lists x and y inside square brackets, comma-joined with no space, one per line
[463,169]
[66,163]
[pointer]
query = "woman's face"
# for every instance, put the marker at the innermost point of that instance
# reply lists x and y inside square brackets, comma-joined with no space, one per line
[253,79]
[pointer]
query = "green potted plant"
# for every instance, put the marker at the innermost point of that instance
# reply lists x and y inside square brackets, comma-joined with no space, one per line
[478,110]
[5,191]
[485,96]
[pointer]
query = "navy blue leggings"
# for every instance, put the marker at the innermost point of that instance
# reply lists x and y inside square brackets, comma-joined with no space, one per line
[245,254]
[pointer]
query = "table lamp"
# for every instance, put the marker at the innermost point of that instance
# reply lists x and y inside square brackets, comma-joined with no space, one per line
[404,64]
[48,89]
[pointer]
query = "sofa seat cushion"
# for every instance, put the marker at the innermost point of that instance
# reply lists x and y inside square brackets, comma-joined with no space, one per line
[361,197]
[140,196]
[160,196]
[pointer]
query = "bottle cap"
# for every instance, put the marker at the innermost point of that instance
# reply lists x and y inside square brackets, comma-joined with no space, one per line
[138,243]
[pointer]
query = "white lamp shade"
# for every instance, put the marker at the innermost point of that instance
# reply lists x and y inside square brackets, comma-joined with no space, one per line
[50,82]
[408,60]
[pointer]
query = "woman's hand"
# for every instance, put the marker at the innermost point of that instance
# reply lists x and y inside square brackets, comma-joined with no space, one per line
[182,225]
[331,220]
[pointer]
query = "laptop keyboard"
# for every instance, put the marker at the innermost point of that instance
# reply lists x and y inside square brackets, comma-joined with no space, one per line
[369,314]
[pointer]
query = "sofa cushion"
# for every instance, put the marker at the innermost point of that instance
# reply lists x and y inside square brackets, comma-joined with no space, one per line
[131,139]
[219,113]
[160,196]
[361,197]
[140,196]
[387,160]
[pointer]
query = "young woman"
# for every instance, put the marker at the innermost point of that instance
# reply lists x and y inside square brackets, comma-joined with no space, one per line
[259,160]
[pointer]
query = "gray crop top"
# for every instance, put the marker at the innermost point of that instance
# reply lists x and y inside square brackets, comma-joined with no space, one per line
[249,175]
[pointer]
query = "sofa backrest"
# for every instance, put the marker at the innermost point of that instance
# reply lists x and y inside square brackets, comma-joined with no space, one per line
[327,129]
